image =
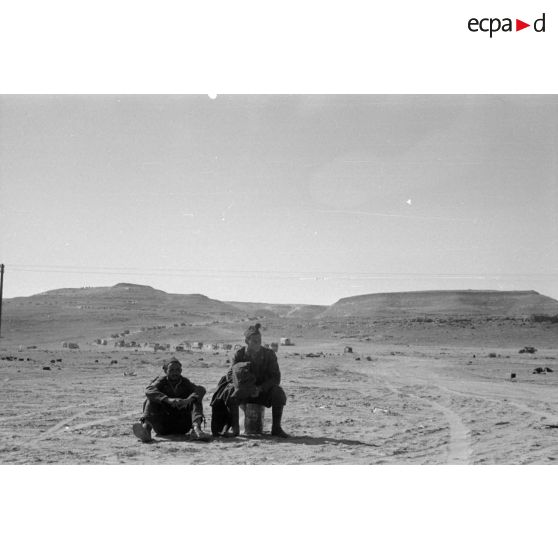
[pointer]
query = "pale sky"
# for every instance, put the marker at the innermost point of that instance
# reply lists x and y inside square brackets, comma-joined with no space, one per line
[285,199]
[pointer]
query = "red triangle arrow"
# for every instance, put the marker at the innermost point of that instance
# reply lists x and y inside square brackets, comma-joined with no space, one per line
[519,25]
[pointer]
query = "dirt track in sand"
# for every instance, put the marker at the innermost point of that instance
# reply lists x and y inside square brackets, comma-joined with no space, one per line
[407,404]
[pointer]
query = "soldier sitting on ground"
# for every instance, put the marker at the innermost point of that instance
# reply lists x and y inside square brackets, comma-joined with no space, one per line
[173,406]
[264,391]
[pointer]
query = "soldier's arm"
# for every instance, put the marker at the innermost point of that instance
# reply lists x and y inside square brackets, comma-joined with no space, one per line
[272,375]
[191,388]
[153,392]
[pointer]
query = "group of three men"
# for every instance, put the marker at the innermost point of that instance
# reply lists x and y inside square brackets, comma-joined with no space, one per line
[174,403]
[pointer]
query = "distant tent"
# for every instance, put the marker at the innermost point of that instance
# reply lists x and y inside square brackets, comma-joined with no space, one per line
[286,341]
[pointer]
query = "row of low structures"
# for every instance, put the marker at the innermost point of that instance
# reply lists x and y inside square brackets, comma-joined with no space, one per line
[183,346]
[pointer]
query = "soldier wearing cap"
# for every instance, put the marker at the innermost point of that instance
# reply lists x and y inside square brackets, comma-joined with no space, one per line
[173,406]
[267,377]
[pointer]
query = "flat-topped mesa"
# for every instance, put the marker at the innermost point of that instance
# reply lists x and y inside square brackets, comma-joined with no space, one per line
[455,303]
[131,286]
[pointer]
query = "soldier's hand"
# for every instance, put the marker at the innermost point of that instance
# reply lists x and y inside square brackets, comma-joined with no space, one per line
[176,403]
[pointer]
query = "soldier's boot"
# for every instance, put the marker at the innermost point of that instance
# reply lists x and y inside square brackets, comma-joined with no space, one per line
[197,434]
[142,430]
[235,421]
[276,416]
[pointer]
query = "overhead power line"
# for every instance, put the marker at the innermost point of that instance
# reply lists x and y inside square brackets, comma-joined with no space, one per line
[252,273]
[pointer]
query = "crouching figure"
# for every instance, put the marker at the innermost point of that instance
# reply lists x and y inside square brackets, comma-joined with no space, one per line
[173,406]
[254,377]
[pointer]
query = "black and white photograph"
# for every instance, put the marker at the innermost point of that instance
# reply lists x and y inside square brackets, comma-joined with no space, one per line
[279,279]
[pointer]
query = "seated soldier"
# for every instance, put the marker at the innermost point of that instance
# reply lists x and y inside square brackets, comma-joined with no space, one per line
[173,406]
[267,391]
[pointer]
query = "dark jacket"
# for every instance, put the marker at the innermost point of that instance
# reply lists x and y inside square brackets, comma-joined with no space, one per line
[264,365]
[160,389]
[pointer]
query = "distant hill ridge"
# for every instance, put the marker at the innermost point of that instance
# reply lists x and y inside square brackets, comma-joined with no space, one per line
[84,314]
[396,304]
[458,302]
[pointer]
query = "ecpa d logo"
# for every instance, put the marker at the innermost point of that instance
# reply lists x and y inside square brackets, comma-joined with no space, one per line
[493,25]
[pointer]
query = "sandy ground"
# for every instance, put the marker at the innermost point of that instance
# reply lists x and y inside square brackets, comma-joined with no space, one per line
[382,404]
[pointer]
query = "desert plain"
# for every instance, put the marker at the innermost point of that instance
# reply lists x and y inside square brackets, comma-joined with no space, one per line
[411,391]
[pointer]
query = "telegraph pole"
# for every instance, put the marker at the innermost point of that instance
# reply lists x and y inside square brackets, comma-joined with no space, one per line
[1,289]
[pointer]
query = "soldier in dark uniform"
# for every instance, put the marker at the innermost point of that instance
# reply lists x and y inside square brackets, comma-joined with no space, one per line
[267,391]
[173,406]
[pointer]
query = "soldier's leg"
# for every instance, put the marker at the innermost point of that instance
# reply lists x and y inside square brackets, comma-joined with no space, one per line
[233,406]
[278,402]
[196,412]
[150,419]
[196,417]
[157,418]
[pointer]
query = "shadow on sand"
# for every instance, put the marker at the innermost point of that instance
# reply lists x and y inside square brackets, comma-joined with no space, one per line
[304,440]
[158,439]
[321,440]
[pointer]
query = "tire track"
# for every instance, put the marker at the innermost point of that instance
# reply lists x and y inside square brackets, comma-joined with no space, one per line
[459,449]
[56,427]
[40,412]
[59,425]
[459,446]
[104,420]
[500,400]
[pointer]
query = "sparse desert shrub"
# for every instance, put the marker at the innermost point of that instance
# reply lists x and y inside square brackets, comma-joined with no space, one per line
[530,350]
[492,355]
